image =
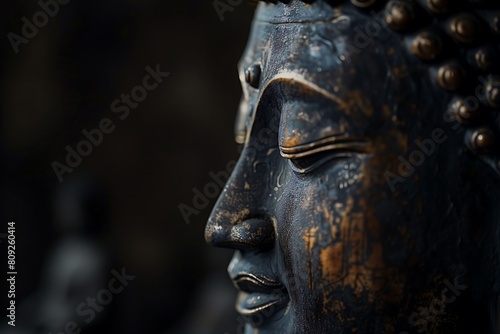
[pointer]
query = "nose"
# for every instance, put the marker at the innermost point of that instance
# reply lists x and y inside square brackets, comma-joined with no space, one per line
[239,220]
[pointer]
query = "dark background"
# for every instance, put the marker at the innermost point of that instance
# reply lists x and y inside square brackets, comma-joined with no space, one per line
[62,82]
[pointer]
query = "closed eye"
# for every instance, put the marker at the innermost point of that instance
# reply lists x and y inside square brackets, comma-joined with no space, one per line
[309,163]
[305,158]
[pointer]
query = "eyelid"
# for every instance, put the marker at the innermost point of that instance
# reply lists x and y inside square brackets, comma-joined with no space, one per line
[307,157]
[334,156]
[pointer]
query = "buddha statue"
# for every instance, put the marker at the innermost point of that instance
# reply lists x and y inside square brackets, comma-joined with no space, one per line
[366,197]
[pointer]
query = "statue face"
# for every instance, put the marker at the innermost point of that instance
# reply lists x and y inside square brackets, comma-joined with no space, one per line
[325,239]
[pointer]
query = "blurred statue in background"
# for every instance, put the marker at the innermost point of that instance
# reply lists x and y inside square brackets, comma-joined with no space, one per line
[366,198]
[77,268]
[79,264]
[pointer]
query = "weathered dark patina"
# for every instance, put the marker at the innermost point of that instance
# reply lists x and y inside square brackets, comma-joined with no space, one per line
[366,199]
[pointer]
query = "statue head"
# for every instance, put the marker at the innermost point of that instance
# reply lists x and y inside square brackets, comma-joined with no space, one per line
[365,199]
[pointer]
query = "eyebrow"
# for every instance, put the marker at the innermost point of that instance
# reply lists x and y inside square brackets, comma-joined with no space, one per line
[292,78]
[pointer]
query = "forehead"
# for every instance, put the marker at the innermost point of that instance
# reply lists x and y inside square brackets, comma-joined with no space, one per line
[313,50]
[313,39]
[323,87]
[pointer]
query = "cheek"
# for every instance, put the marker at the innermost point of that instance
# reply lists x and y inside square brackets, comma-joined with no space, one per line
[317,224]
[333,240]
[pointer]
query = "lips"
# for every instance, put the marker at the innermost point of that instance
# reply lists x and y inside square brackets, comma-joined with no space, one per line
[259,295]
[253,283]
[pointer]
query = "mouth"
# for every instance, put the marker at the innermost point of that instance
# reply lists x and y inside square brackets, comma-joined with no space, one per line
[259,295]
